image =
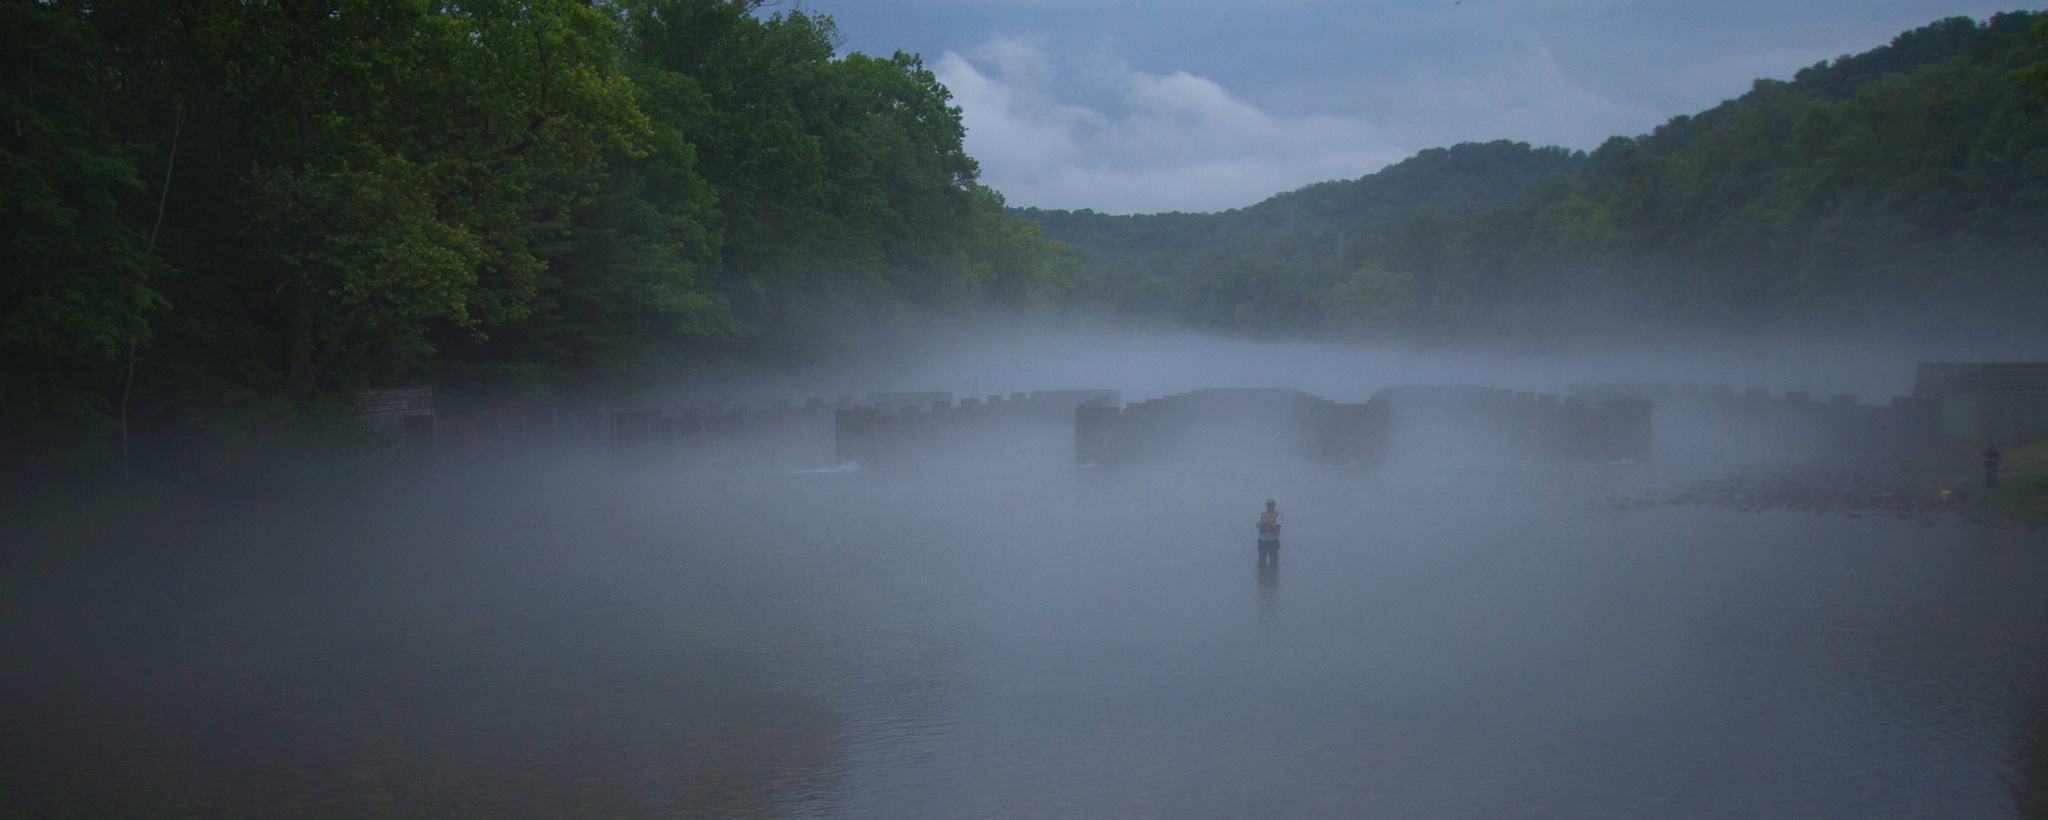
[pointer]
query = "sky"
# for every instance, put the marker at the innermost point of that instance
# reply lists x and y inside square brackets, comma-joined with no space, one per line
[1144,106]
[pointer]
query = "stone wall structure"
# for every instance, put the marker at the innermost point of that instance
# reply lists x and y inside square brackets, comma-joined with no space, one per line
[1986,402]
[1279,422]
[1756,423]
[881,432]
[1230,423]
[1591,423]
[1576,428]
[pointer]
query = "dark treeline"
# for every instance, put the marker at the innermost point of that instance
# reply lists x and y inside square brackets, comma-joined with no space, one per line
[222,218]
[1903,191]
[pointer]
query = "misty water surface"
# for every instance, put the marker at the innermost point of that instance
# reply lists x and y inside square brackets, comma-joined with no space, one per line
[1012,636]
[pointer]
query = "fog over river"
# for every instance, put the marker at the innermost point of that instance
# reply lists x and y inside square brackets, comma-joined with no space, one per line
[1007,635]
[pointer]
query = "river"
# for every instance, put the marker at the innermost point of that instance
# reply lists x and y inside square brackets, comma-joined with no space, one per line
[1011,637]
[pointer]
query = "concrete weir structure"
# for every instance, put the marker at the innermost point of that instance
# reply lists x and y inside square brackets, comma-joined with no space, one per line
[882,430]
[713,431]
[1230,423]
[1577,429]
[1262,423]
[1954,404]
[1987,401]
[1756,424]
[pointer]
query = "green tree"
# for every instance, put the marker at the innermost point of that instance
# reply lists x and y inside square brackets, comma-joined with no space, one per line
[412,152]
[75,278]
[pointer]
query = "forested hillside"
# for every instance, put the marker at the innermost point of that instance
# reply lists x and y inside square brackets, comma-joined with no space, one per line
[1899,191]
[224,217]
[1469,175]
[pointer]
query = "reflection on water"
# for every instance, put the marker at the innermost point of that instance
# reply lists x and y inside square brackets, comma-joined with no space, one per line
[988,641]
[1269,586]
[513,654]
[2029,777]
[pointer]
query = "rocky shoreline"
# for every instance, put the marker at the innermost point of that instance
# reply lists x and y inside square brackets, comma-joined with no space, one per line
[1851,493]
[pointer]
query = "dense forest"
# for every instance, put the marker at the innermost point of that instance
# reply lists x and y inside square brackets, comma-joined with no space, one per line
[1899,191]
[222,218]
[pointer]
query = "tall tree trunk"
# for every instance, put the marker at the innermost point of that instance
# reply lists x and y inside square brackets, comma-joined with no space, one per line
[301,353]
[126,387]
[170,161]
[163,196]
[307,367]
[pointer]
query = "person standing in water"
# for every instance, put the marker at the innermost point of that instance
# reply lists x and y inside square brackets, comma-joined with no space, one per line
[1269,531]
[1991,467]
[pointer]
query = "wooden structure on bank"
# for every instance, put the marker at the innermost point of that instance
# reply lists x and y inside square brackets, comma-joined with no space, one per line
[404,414]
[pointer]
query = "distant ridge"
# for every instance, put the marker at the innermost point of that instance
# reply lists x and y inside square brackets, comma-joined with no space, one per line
[1468,175]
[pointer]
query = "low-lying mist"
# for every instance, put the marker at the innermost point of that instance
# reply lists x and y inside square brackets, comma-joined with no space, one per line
[982,626]
[1009,356]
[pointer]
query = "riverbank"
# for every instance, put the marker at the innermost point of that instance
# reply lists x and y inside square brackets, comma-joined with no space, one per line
[2021,498]
[1926,489]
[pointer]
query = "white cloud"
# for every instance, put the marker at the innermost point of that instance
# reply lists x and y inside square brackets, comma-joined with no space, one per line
[1534,100]
[1176,141]
[1159,142]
